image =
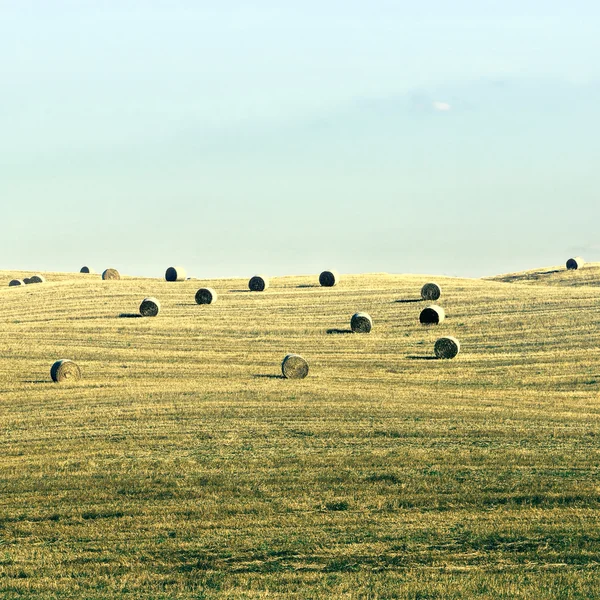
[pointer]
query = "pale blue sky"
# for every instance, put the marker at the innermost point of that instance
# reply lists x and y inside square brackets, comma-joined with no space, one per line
[233,138]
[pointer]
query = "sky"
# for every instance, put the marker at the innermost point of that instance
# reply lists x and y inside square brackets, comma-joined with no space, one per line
[452,137]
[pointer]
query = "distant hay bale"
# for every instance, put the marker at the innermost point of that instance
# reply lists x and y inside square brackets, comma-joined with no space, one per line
[111,274]
[361,323]
[432,315]
[575,263]
[149,307]
[86,270]
[37,279]
[175,274]
[294,367]
[258,283]
[431,291]
[14,282]
[26,281]
[206,296]
[447,347]
[63,370]
[329,278]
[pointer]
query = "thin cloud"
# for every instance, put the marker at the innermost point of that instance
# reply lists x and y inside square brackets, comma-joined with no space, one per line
[441,106]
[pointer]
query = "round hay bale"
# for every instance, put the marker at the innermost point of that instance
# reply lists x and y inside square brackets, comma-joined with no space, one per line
[14,282]
[175,274]
[111,274]
[258,283]
[431,291]
[149,307]
[432,315]
[447,347]
[294,367]
[329,278]
[26,281]
[206,296]
[63,370]
[37,279]
[575,263]
[361,323]
[86,270]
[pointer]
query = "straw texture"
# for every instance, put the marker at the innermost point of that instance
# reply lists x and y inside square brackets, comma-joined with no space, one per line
[175,274]
[294,367]
[361,323]
[63,370]
[575,263]
[206,296]
[432,315]
[258,283]
[447,347]
[431,291]
[111,274]
[329,278]
[149,307]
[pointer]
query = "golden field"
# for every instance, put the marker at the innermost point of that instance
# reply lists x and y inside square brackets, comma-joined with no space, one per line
[182,465]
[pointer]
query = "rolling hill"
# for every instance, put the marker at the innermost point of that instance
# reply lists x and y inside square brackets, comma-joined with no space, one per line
[557,275]
[182,465]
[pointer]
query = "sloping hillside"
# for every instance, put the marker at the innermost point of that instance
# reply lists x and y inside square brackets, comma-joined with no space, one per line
[183,466]
[588,275]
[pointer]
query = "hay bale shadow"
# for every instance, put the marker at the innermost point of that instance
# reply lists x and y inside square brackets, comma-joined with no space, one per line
[339,331]
[405,300]
[268,376]
[417,357]
[129,316]
[530,276]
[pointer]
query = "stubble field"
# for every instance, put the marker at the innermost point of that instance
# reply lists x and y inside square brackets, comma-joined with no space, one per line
[183,466]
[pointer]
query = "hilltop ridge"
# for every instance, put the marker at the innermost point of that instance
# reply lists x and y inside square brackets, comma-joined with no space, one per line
[557,275]
[588,275]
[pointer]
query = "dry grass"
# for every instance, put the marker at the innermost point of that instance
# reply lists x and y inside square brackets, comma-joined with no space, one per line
[183,466]
[588,275]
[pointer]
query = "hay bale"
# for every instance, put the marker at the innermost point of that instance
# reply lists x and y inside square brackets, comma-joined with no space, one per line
[175,274]
[63,370]
[575,263]
[26,281]
[206,296]
[111,274]
[37,279]
[432,315]
[149,307]
[86,270]
[447,347]
[258,283]
[329,278]
[14,282]
[431,291]
[294,367]
[361,323]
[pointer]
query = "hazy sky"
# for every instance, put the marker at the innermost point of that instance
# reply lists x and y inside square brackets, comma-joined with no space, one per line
[446,137]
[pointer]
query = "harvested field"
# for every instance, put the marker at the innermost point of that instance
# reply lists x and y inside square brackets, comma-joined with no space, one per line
[183,465]
[558,275]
